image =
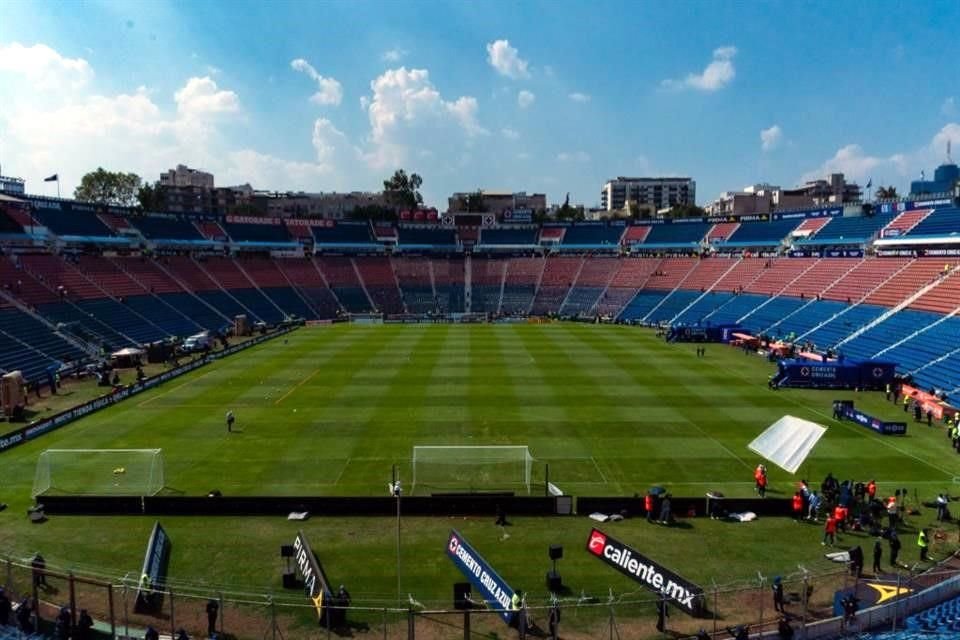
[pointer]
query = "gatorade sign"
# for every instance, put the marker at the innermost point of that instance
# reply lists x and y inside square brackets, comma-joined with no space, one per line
[481,575]
[683,593]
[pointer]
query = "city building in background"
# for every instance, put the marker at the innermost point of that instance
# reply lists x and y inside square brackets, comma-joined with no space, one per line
[659,193]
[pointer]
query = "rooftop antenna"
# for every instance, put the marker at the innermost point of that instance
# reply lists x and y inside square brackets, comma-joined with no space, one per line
[949,159]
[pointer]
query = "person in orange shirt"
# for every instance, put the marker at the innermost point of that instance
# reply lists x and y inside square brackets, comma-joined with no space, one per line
[871,489]
[829,531]
[797,506]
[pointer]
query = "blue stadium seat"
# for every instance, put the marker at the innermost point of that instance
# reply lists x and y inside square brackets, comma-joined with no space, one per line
[167,228]
[677,234]
[940,223]
[756,234]
[508,236]
[257,233]
[849,230]
[641,305]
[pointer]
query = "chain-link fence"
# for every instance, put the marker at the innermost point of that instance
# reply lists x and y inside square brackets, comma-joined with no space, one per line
[202,610]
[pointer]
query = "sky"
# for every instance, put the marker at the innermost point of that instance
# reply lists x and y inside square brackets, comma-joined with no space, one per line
[517,96]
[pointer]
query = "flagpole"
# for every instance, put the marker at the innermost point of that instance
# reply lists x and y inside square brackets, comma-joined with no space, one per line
[58,185]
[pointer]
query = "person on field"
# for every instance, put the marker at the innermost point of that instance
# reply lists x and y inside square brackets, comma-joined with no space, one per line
[923,543]
[797,505]
[84,626]
[762,485]
[230,421]
[872,489]
[213,608]
[648,506]
[830,531]
[894,548]
[813,506]
[877,556]
[5,607]
[777,588]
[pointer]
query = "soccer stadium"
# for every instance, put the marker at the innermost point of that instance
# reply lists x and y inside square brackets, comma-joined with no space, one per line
[251,414]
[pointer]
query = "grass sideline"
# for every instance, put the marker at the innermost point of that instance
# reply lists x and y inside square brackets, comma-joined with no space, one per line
[329,410]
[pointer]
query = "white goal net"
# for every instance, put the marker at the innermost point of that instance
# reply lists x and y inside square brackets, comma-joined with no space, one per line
[472,468]
[99,472]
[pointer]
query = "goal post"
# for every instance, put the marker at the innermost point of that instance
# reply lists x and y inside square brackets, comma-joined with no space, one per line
[472,467]
[99,472]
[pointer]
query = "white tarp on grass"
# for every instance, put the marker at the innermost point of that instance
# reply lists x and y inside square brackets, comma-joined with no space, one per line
[788,441]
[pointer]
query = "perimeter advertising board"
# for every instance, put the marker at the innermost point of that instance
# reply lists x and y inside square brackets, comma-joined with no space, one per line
[495,592]
[687,596]
[315,585]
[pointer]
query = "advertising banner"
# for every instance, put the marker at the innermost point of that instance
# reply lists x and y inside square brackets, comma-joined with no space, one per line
[315,585]
[153,575]
[684,594]
[495,592]
[849,412]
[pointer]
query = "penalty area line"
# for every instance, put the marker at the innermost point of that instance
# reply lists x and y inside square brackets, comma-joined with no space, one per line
[296,386]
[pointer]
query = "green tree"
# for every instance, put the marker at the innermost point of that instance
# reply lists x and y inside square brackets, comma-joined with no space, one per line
[686,211]
[403,191]
[475,203]
[887,193]
[108,187]
[150,197]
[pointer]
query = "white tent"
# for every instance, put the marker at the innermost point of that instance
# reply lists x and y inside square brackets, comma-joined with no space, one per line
[788,441]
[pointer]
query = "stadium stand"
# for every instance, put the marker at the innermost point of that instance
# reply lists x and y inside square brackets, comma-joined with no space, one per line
[169,228]
[31,346]
[520,284]
[266,234]
[303,275]
[761,234]
[342,277]
[271,281]
[344,235]
[73,222]
[448,282]
[228,274]
[721,231]
[486,284]
[593,236]
[636,234]
[942,223]
[558,277]
[508,237]
[676,235]
[381,284]
[415,278]
[422,237]
[211,231]
[809,227]
[592,281]
[910,279]
[904,223]
[632,274]
[552,235]
[9,227]
[851,230]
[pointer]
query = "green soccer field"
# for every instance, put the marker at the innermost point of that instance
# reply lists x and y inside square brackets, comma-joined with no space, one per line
[611,409]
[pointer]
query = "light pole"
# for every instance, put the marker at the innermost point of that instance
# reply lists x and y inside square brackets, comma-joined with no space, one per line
[397,491]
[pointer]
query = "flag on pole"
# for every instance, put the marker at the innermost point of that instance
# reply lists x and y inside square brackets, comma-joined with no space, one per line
[869,183]
[53,178]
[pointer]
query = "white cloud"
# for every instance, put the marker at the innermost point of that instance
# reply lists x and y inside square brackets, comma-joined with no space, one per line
[406,110]
[201,96]
[506,60]
[330,91]
[573,156]
[44,68]
[949,107]
[576,96]
[523,155]
[859,165]
[770,138]
[717,74]
[393,55]
[510,134]
[525,98]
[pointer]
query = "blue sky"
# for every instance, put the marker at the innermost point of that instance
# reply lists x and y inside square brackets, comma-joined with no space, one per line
[553,97]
